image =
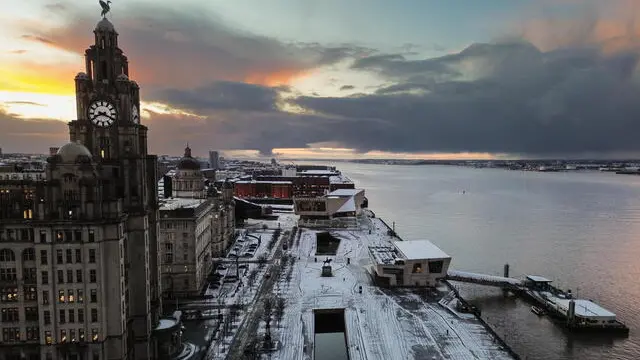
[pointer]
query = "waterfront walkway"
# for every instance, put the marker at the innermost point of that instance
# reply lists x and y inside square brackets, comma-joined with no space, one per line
[381,324]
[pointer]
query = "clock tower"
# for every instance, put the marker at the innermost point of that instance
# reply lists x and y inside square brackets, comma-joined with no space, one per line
[108,125]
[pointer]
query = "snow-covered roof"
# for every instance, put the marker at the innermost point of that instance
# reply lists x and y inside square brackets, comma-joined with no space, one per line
[180,203]
[536,278]
[586,308]
[339,179]
[263,182]
[420,249]
[165,324]
[348,206]
[345,192]
[318,172]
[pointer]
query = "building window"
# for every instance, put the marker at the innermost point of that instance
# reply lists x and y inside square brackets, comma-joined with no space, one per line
[92,276]
[93,296]
[29,255]
[94,315]
[8,274]
[69,276]
[80,315]
[10,334]
[69,256]
[436,266]
[80,295]
[60,277]
[92,256]
[9,294]
[43,257]
[168,253]
[59,236]
[92,236]
[61,297]
[33,333]
[81,334]
[10,315]
[417,268]
[62,317]
[31,314]
[77,235]
[43,236]
[29,275]
[78,256]
[48,339]
[30,293]
[78,275]
[47,317]
[72,336]
[7,255]
[71,296]
[94,335]
[63,336]
[45,297]
[72,316]
[58,256]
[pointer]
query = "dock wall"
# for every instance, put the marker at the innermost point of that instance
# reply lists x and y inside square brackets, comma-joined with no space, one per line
[484,323]
[390,228]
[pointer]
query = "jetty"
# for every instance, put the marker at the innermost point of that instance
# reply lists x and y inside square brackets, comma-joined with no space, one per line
[575,314]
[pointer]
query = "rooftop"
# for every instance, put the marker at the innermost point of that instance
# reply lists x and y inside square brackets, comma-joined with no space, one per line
[345,192]
[180,203]
[586,308]
[420,249]
[536,278]
[262,182]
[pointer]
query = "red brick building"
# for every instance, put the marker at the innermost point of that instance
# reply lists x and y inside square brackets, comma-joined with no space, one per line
[263,189]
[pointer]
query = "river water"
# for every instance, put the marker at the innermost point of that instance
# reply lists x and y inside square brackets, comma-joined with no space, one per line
[580,229]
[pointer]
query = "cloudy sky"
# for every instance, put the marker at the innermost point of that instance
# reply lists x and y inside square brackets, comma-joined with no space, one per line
[341,78]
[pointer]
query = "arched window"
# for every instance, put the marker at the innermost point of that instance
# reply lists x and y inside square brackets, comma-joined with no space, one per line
[7,255]
[29,255]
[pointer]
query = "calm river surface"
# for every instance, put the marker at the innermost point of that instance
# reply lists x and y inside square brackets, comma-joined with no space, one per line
[581,229]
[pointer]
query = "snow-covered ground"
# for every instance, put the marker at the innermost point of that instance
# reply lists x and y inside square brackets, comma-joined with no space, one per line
[381,324]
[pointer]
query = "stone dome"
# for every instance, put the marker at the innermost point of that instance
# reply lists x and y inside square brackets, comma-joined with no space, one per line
[69,152]
[82,76]
[105,25]
[122,77]
[188,162]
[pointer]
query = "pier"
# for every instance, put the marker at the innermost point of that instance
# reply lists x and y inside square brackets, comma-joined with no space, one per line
[575,314]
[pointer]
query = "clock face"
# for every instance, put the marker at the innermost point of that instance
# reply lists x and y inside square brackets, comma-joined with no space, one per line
[135,115]
[102,113]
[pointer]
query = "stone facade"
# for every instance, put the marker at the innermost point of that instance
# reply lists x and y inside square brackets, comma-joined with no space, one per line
[196,224]
[78,252]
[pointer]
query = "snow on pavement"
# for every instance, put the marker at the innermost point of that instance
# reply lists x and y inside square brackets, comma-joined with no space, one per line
[381,323]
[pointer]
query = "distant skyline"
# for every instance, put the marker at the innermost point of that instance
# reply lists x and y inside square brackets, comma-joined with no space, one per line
[360,78]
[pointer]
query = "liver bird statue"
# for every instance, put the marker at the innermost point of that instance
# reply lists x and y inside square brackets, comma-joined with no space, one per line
[105,7]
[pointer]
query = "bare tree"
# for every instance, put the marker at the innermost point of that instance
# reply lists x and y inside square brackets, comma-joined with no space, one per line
[279,308]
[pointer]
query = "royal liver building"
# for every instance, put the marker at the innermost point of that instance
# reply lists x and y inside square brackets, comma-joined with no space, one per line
[78,251]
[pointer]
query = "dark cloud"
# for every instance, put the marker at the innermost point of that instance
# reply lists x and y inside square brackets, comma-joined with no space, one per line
[347,87]
[36,38]
[499,98]
[223,95]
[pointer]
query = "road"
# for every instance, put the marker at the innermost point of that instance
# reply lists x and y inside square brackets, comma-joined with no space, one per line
[249,327]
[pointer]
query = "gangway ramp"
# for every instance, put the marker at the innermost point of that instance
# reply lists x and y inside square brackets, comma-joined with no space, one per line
[484,279]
